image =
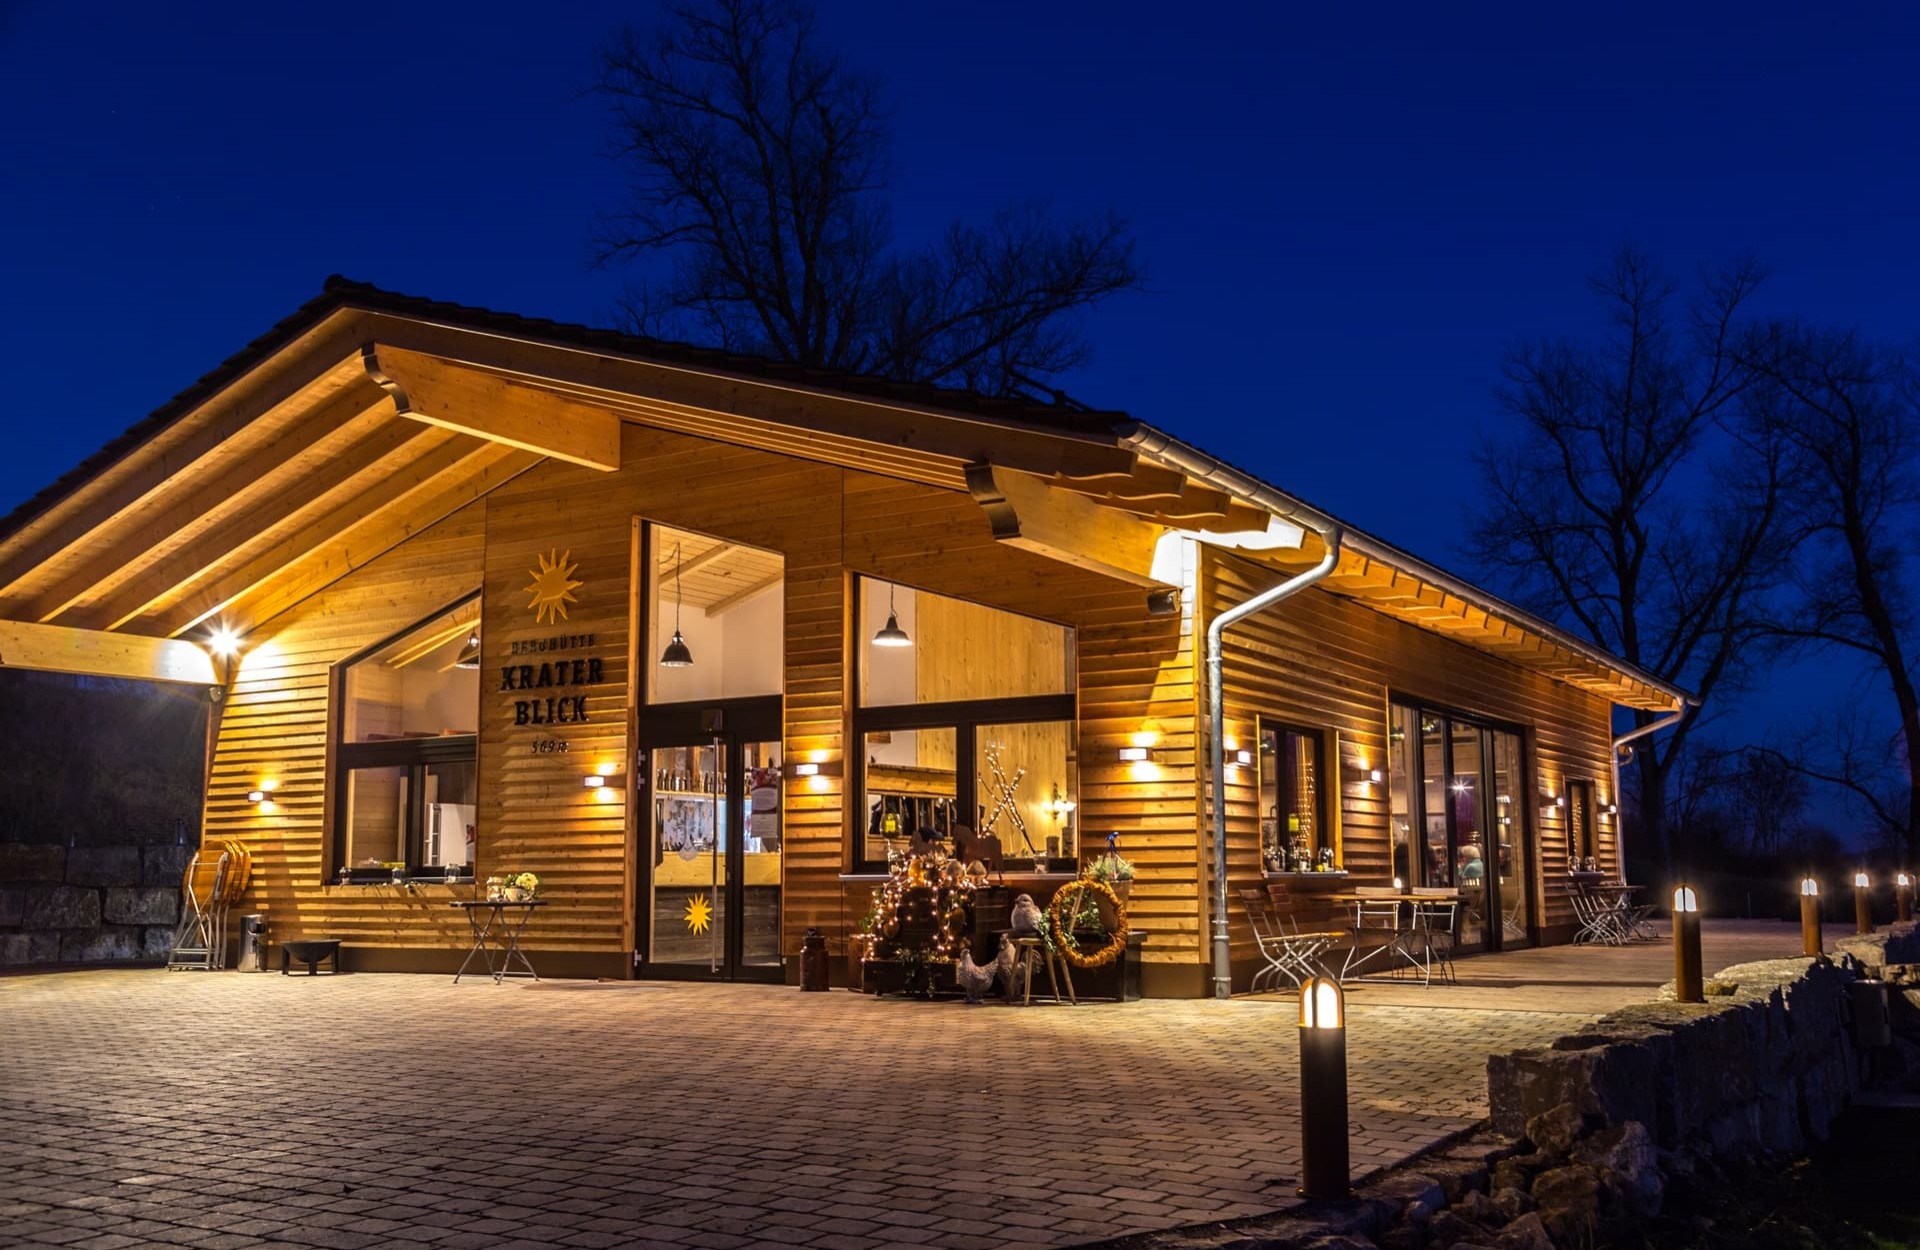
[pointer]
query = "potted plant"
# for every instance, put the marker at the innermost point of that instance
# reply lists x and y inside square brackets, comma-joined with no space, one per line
[521,887]
[1116,873]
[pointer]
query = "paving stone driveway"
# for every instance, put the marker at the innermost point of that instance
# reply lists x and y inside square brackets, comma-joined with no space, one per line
[225,1110]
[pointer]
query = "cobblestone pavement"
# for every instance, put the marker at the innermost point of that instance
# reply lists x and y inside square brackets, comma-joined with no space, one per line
[225,1110]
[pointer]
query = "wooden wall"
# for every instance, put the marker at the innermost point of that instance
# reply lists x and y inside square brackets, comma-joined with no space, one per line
[1321,661]
[1317,661]
[275,728]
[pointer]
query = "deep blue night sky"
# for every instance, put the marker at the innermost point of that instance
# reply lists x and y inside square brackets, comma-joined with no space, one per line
[1347,217]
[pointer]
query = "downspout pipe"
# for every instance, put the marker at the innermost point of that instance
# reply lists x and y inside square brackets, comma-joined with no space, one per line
[1623,751]
[1217,745]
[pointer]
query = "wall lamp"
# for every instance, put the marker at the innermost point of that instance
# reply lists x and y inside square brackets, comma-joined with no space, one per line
[1135,755]
[604,780]
[263,793]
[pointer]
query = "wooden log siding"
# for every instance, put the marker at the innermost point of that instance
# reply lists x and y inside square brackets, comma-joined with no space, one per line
[1319,660]
[275,727]
[1324,662]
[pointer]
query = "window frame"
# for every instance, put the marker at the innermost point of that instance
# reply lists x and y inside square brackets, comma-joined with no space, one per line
[963,716]
[1323,828]
[414,754]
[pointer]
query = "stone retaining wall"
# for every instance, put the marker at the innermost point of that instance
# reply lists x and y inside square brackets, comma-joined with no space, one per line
[1765,1064]
[88,904]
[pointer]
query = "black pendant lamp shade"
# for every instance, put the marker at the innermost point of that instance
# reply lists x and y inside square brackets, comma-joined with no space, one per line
[891,635]
[676,655]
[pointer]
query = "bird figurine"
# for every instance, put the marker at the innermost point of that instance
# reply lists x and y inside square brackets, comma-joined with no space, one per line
[976,979]
[1026,915]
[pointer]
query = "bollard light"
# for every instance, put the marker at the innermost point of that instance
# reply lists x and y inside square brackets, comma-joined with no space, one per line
[1810,915]
[1323,1091]
[1903,898]
[1862,903]
[1687,984]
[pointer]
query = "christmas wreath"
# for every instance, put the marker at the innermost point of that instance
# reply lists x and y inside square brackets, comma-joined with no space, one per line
[1060,916]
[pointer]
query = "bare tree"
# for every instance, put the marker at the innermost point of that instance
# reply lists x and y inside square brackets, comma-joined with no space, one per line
[1636,500]
[760,164]
[1850,411]
[1768,799]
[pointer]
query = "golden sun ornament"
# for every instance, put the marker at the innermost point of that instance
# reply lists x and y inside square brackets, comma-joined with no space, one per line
[552,587]
[699,914]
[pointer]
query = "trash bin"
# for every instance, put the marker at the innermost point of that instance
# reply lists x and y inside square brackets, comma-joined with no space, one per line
[253,944]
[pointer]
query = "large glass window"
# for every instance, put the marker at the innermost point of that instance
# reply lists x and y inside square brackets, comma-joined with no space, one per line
[724,605]
[950,651]
[1456,824]
[1292,805]
[966,728]
[406,785]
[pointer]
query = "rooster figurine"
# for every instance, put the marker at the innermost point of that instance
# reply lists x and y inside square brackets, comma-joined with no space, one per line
[976,979]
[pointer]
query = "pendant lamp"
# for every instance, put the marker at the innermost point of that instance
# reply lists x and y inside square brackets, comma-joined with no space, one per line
[891,635]
[676,655]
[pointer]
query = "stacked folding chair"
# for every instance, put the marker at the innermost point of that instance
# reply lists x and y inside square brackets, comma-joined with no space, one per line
[214,881]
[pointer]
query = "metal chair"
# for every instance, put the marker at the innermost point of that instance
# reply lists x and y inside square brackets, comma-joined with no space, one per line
[1598,919]
[1376,928]
[200,939]
[1436,924]
[1287,952]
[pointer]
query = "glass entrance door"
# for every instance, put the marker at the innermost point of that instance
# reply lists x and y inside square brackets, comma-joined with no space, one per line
[712,793]
[1458,798]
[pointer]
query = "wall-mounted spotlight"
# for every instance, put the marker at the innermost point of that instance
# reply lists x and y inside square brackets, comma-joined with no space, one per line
[224,642]
[1163,602]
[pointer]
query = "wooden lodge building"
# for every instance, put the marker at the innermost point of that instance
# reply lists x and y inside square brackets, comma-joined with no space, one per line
[429,560]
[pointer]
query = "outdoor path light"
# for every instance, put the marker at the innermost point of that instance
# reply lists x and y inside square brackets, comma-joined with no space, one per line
[1687,987]
[1903,898]
[1810,915]
[1862,903]
[1323,1091]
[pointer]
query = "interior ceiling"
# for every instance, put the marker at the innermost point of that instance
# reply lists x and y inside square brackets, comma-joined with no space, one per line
[303,468]
[712,575]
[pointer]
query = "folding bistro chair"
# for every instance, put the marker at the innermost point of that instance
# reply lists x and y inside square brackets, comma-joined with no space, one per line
[1376,929]
[1433,933]
[1287,952]
[199,940]
[1598,918]
[1318,941]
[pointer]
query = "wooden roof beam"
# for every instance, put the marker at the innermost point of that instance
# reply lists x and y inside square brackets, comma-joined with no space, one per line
[219,507]
[173,576]
[1005,442]
[744,593]
[700,561]
[1027,513]
[149,469]
[488,406]
[1141,482]
[399,501]
[491,466]
[59,649]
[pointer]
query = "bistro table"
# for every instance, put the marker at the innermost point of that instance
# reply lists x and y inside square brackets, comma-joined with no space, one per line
[495,932]
[1423,907]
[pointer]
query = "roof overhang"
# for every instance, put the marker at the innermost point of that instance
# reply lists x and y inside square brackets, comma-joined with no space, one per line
[367,417]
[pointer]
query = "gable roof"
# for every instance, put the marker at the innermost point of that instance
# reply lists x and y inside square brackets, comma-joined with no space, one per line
[906,428]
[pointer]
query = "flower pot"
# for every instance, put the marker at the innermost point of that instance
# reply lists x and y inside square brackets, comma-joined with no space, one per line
[518,894]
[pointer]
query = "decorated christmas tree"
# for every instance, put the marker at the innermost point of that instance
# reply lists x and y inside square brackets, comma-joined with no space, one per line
[922,916]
